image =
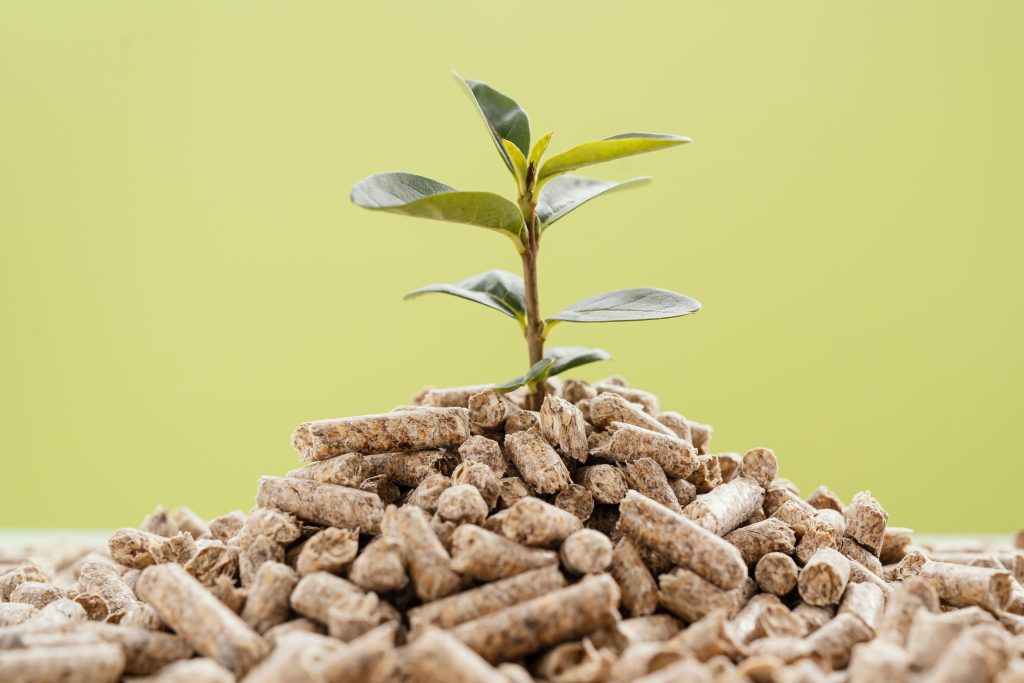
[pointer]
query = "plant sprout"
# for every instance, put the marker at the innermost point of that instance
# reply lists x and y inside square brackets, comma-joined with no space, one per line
[545,193]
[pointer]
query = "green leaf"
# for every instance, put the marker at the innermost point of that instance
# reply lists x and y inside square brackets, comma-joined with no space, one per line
[568,357]
[565,193]
[497,289]
[518,164]
[414,195]
[539,148]
[538,372]
[615,147]
[504,118]
[642,303]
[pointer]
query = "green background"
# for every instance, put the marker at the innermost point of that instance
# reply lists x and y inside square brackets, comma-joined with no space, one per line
[184,279]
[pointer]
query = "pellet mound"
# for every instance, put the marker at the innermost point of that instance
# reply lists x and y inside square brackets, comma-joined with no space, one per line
[463,538]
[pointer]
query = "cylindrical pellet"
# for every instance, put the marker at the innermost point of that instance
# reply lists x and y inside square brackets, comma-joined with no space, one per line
[727,506]
[824,578]
[690,597]
[438,657]
[638,588]
[409,430]
[429,564]
[381,565]
[962,585]
[562,424]
[268,600]
[534,522]
[756,540]
[537,462]
[776,573]
[321,503]
[865,522]
[607,408]
[586,552]
[85,663]
[487,556]
[628,442]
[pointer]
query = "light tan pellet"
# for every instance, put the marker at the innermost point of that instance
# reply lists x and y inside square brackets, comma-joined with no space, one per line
[823,579]
[370,658]
[691,597]
[297,657]
[577,389]
[684,491]
[586,552]
[629,442]
[481,477]
[895,544]
[159,522]
[677,424]
[822,498]
[866,601]
[356,616]
[855,551]
[103,580]
[930,634]
[37,594]
[330,550]
[606,483]
[908,597]
[757,540]
[962,585]
[747,624]
[562,424]
[776,573]
[576,500]
[257,551]
[759,465]
[877,661]
[449,397]
[324,504]
[383,433]
[522,421]
[412,467]
[146,617]
[534,522]
[487,556]
[865,522]
[347,469]
[315,593]
[780,621]
[546,620]
[487,451]
[213,559]
[139,549]
[646,476]
[655,628]
[708,474]
[645,398]
[210,627]
[681,541]
[729,465]
[511,489]
[819,537]
[687,670]
[198,670]
[607,408]
[800,518]
[145,650]
[427,562]
[185,519]
[812,616]
[727,506]
[491,410]
[14,613]
[427,493]
[95,607]
[300,624]
[438,657]
[84,663]
[381,565]
[833,642]
[977,654]
[638,587]
[700,436]
[537,462]
[225,527]
[268,600]
[462,504]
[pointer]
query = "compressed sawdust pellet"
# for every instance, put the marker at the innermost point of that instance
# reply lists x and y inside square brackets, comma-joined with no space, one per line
[210,627]
[522,421]
[833,642]
[681,541]
[357,615]
[462,504]
[321,503]
[411,467]
[759,465]
[159,522]
[878,660]
[537,462]
[314,594]
[823,579]
[756,540]
[676,423]
[197,670]
[729,465]
[977,654]
[534,522]
[700,435]
[576,500]
[822,498]
[491,410]
[487,556]
[684,491]
[855,551]
[381,566]
[330,550]
[254,554]
[630,442]
[562,424]
[646,399]
[187,520]
[708,474]
[895,543]
[866,601]
[37,593]
[225,527]
[865,522]
[437,657]
[103,580]
[267,602]
[14,613]
[639,590]
[449,397]
[481,477]
[549,619]
[72,663]
[213,559]
[691,597]
[606,483]
[484,450]
[655,628]
[747,624]
[607,408]
[646,476]
[427,561]
[347,469]
[383,486]
[727,506]
[140,549]
[776,573]
[962,585]
[146,617]
[427,493]
[930,634]
[370,658]
[383,433]
[145,650]
[586,552]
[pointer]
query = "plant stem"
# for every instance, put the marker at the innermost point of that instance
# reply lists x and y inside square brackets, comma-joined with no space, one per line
[534,331]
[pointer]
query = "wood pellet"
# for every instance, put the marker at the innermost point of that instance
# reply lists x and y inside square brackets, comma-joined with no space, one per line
[464,538]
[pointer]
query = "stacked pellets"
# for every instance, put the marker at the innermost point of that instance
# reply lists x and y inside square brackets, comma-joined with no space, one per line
[465,538]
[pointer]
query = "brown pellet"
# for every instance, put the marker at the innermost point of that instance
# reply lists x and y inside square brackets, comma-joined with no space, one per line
[684,491]
[383,433]
[586,552]
[487,556]
[776,573]
[268,600]
[449,397]
[606,483]
[576,500]
[646,399]
[823,579]
[223,528]
[833,642]
[691,597]
[481,477]
[708,474]
[73,663]
[677,424]
[607,408]
[681,541]
[438,657]
[484,450]
[491,410]
[865,522]
[37,594]
[427,493]
[428,563]
[537,462]
[145,650]
[534,522]
[822,498]
[562,424]
[757,540]
[629,442]
[381,565]
[700,436]
[198,670]
[140,549]
[646,476]
[760,465]
[638,588]
[866,601]
[962,585]
[546,620]
[907,599]
[347,469]
[727,506]
[522,421]
[320,503]
[103,580]
[202,620]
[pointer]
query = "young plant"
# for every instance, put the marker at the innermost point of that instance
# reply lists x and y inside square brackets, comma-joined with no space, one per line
[545,193]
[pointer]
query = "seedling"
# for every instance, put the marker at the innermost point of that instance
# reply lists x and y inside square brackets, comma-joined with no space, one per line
[545,193]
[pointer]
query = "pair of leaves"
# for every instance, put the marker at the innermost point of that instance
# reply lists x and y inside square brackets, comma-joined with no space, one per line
[498,289]
[556,360]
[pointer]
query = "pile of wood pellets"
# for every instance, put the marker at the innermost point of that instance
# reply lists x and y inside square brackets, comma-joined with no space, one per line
[464,538]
